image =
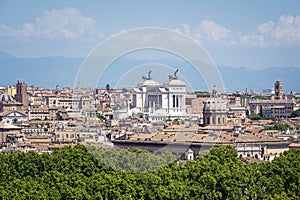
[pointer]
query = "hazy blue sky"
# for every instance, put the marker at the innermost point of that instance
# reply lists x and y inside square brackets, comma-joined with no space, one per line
[253,34]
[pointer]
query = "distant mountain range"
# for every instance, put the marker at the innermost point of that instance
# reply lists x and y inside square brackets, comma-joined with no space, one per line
[45,72]
[51,71]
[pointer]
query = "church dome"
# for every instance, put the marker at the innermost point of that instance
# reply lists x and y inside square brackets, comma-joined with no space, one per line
[215,103]
[5,97]
[215,111]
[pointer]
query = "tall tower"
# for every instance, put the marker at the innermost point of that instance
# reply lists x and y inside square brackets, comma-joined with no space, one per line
[21,95]
[278,90]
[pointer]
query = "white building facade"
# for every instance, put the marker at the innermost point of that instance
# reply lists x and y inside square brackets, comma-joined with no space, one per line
[160,102]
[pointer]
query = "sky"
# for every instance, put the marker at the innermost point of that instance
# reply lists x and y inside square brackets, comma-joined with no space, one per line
[254,34]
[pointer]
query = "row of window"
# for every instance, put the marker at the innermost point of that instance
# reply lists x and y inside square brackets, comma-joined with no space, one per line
[214,120]
[177,88]
[65,136]
[33,130]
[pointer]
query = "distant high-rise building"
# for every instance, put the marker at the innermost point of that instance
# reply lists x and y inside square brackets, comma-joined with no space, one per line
[278,90]
[21,95]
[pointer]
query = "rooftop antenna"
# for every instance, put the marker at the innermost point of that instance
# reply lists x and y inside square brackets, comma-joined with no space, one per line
[278,76]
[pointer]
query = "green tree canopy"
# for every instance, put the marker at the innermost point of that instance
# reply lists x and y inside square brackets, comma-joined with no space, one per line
[296,113]
[81,172]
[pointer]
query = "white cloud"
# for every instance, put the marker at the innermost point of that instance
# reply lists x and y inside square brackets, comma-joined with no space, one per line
[253,40]
[286,20]
[186,29]
[208,31]
[213,31]
[286,32]
[67,23]
[6,31]
[266,27]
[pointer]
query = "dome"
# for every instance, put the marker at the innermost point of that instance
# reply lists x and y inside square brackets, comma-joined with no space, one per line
[150,83]
[215,110]
[5,97]
[175,82]
[215,104]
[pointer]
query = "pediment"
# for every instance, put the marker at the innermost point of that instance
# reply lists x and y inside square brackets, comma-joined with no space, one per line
[14,114]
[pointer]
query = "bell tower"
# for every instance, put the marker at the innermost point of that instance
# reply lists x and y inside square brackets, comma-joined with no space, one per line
[278,90]
[21,95]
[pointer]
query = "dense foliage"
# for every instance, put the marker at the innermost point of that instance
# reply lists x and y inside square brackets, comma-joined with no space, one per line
[279,127]
[296,113]
[74,173]
[255,117]
[137,161]
[260,117]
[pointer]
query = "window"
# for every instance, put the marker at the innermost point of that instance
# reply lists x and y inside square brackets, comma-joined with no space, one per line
[173,98]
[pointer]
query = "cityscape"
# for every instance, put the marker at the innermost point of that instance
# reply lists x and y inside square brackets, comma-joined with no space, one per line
[132,100]
[148,117]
